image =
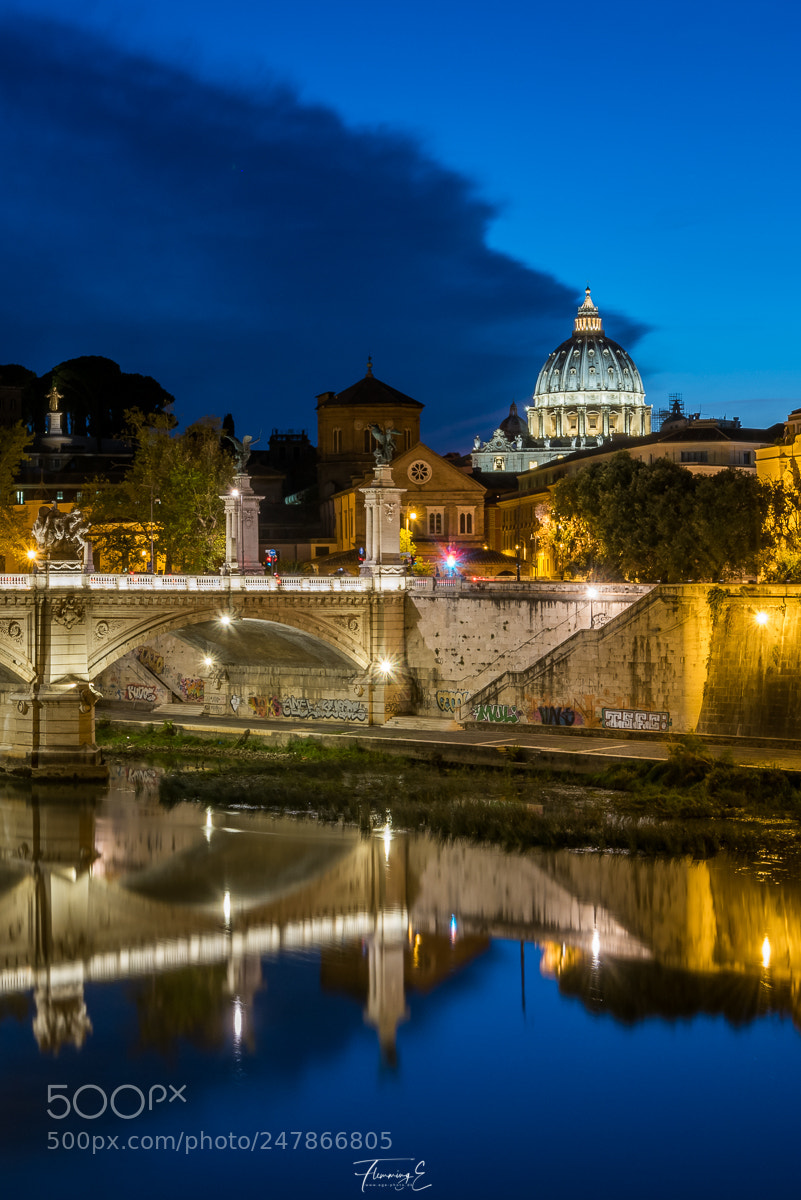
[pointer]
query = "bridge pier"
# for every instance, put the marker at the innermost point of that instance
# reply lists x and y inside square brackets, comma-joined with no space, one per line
[53,734]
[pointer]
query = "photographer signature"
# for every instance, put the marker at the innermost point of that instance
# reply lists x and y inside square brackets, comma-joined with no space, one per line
[377,1174]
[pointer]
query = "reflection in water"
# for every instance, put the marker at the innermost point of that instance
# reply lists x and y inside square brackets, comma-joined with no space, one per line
[189,903]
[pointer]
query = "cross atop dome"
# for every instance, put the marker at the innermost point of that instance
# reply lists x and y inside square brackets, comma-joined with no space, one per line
[588,319]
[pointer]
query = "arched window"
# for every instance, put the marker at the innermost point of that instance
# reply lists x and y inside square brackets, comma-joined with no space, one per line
[465,522]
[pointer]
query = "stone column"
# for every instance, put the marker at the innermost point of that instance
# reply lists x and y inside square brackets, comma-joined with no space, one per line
[242,529]
[382,502]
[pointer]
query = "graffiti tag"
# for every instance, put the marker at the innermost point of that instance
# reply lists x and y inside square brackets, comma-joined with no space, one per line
[450,700]
[264,706]
[499,714]
[635,718]
[323,710]
[150,659]
[140,691]
[192,689]
[547,714]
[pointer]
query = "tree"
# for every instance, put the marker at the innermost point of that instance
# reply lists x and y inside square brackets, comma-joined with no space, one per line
[95,394]
[13,445]
[624,519]
[782,553]
[172,492]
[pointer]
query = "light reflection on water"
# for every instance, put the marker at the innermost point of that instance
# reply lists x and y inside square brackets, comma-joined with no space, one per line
[586,1010]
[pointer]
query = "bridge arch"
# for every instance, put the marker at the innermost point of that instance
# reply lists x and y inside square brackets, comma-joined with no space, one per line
[279,630]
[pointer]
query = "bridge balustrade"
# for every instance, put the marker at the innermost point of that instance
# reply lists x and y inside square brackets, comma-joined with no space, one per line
[443,586]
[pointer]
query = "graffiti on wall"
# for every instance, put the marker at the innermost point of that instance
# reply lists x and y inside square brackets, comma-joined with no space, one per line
[635,718]
[397,705]
[450,700]
[313,710]
[140,691]
[499,714]
[150,659]
[192,689]
[323,710]
[550,714]
[264,706]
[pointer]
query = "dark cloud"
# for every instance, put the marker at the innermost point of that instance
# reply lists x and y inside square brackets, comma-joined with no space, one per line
[249,251]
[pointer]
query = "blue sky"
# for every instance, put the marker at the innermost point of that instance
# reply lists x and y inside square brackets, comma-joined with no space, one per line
[245,199]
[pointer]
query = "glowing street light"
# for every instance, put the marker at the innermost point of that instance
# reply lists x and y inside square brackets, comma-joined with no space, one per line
[761,617]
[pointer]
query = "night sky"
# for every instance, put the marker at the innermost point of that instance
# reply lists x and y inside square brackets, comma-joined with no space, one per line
[245,199]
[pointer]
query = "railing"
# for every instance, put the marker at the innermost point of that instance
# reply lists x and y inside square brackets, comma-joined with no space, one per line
[443,586]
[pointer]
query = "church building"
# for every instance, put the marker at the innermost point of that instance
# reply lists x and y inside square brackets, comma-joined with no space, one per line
[588,390]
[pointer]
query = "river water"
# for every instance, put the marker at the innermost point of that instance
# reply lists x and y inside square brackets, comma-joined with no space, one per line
[218,1002]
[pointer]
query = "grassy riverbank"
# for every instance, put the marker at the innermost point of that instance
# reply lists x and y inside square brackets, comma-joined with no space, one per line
[693,803]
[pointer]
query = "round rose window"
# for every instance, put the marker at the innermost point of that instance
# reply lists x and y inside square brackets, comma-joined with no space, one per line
[419,471]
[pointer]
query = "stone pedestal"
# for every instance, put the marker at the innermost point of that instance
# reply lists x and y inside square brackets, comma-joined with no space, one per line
[382,503]
[242,529]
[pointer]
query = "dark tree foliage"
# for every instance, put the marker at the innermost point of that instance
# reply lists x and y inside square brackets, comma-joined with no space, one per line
[96,395]
[624,519]
[13,375]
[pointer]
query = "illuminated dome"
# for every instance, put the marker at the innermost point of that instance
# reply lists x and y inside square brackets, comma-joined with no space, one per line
[589,388]
[589,361]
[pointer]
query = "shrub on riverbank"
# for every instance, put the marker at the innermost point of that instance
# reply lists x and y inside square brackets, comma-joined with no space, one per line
[692,803]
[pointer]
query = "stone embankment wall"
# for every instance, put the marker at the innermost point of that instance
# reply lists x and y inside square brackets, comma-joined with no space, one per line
[724,661]
[754,683]
[645,670]
[458,644]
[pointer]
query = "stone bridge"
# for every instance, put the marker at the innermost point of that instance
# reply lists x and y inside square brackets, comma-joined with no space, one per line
[362,649]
